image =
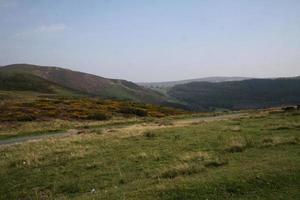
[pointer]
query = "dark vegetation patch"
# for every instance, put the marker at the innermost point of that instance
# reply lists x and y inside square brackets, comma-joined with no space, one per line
[149,134]
[183,169]
[216,163]
[133,111]
[289,108]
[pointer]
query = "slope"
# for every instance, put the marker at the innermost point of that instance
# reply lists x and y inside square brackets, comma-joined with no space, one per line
[213,79]
[254,93]
[15,81]
[88,83]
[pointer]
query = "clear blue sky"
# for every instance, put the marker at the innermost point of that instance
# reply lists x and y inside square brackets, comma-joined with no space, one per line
[154,40]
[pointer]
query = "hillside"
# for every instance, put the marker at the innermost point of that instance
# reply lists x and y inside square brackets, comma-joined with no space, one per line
[168,84]
[84,83]
[254,93]
[18,82]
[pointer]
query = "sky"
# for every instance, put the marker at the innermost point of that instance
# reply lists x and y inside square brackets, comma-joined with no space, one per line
[154,40]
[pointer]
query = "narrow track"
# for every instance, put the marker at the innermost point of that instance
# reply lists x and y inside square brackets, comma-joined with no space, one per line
[126,131]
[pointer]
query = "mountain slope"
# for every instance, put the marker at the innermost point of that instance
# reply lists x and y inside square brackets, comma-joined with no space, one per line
[168,84]
[254,93]
[15,81]
[88,83]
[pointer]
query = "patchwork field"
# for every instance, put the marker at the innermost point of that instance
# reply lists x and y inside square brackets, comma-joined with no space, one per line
[238,155]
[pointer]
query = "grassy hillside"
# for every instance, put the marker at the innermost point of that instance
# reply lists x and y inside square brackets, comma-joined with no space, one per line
[254,93]
[14,81]
[250,155]
[160,86]
[87,83]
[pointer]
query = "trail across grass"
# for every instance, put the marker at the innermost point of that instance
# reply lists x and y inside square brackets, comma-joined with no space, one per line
[122,128]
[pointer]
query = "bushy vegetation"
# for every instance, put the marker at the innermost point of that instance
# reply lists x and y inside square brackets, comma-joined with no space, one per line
[133,111]
[45,108]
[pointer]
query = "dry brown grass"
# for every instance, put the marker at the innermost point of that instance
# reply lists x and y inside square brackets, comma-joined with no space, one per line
[235,128]
[273,141]
[236,144]
[191,163]
[181,169]
[195,156]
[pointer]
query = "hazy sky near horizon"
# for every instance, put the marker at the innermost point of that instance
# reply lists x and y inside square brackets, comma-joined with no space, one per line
[154,40]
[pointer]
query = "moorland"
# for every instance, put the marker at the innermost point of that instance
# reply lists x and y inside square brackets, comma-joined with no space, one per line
[59,142]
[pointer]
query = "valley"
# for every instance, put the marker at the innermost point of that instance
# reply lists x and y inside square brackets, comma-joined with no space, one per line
[237,139]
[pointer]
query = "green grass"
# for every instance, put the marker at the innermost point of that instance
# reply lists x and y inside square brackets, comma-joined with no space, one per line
[189,162]
[34,133]
[20,129]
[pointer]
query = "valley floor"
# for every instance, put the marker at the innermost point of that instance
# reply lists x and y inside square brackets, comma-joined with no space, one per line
[246,155]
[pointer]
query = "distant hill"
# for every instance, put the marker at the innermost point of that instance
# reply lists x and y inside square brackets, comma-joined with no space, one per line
[27,82]
[168,84]
[234,95]
[43,78]
[205,94]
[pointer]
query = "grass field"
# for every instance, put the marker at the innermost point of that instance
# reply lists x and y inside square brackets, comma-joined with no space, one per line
[247,155]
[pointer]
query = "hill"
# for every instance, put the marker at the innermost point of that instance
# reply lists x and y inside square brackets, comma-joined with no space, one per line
[30,83]
[81,82]
[253,93]
[168,84]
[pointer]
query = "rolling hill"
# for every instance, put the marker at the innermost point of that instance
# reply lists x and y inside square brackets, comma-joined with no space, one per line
[214,93]
[44,78]
[30,83]
[235,95]
[213,79]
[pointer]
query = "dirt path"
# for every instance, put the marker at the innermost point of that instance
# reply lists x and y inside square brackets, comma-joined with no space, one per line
[127,131]
[22,139]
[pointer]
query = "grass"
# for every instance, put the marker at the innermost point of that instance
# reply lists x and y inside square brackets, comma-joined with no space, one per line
[234,158]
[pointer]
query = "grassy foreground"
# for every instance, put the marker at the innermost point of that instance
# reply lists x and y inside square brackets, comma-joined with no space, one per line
[251,156]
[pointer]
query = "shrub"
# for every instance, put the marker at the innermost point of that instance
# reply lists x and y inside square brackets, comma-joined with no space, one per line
[149,134]
[216,163]
[288,108]
[24,117]
[98,116]
[133,111]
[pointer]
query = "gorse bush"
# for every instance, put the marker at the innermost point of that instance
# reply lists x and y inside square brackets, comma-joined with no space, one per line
[43,108]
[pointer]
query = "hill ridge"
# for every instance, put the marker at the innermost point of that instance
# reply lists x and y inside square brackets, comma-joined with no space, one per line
[88,83]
